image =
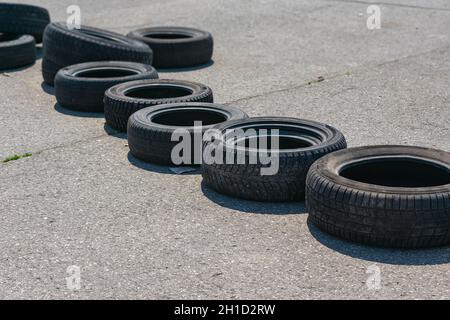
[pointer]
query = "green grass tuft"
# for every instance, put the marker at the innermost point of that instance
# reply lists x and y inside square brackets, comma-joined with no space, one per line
[17,157]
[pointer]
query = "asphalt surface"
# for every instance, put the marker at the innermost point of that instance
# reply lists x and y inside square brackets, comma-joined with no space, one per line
[137,231]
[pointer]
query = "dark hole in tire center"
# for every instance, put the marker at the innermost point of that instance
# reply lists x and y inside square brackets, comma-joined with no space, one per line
[167,36]
[397,172]
[186,118]
[279,142]
[106,73]
[158,92]
[275,137]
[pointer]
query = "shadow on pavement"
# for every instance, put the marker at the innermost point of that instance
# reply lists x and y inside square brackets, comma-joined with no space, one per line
[14,70]
[80,114]
[114,133]
[156,168]
[48,88]
[274,208]
[175,70]
[39,52]
[382,255]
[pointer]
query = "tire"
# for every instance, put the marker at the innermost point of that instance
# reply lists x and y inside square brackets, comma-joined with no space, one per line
[387,196]
[64,47]
[150,130]
[119,105]
[23,19]
[16,51]
[176,47]
[302,143]
[82,86]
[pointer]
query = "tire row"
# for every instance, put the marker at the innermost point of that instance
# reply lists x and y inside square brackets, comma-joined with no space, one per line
[392,196]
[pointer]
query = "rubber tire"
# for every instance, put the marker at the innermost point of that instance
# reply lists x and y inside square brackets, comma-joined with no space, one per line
[377,215]
[245,180]
[64,47]
[86,93]
[18,52]
[196,49]
[151,142]
[23,19]
[119,107]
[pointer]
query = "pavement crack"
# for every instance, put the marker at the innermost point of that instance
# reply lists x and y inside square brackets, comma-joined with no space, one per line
[59,146]
[73,143]
[308,83]
[335,76]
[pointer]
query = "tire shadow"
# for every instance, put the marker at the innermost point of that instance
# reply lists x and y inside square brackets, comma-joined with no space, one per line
[18,69]
[39,52]
[157,168]
[407,257]
[187,69]
[79,114]
[114,133]
[48,89]
[272,208]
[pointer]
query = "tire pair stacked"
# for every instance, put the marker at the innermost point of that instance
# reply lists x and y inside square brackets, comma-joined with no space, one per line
[21,27]
[73,61]
[65,47]
[174,47]
[80,85]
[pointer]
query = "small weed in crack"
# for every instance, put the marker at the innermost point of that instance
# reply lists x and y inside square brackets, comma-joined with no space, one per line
[17,157]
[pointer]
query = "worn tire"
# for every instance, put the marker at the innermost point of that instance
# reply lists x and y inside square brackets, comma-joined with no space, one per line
[176,47]
[383,196]
[311,141]
[64,47]
[150,130]
[23,19]
[119,105]
[16,51]
[82,86]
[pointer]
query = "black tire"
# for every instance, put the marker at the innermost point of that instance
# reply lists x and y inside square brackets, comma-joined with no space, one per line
[16,51]
[302,142]
[176,47]
[82,86]
[64,47]
[23,19]
[388,196]
[123,100]
[150,130]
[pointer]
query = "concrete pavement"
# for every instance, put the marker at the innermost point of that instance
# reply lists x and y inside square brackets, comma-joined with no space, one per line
[139,231]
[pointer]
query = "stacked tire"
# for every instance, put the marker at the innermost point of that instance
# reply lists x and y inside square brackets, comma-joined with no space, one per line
[177,47]
[20,19]
[64,47]
[21,27]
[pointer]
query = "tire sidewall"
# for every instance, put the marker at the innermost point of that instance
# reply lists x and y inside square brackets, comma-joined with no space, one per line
[330,166]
